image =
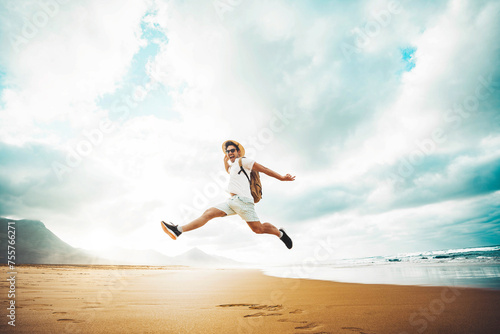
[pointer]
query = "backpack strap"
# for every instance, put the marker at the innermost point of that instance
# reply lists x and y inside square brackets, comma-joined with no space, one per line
[242,169]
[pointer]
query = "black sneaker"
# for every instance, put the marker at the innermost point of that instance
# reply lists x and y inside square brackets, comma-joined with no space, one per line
[286,239]
[171,230]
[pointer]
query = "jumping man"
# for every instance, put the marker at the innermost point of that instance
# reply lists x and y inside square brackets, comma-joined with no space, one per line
[241,201]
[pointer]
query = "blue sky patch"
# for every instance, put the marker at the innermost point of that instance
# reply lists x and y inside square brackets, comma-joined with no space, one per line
[152,32]
[122,103]
[408,57]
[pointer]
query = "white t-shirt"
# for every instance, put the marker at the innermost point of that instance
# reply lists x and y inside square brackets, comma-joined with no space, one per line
[238,183]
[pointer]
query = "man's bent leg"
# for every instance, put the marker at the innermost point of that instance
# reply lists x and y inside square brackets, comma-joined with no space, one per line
[203,219]
[265,228]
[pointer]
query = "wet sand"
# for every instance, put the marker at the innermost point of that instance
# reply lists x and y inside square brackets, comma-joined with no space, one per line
[138,299]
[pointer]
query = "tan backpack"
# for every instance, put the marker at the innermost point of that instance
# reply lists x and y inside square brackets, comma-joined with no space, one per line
[255,185]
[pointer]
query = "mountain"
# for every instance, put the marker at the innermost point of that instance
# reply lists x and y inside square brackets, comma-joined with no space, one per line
[36,244]
[194,257]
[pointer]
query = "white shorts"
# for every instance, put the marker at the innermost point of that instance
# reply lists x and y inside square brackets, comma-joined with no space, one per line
[243,206]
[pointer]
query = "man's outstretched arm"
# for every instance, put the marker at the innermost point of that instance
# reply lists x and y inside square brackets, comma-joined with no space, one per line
[259,168]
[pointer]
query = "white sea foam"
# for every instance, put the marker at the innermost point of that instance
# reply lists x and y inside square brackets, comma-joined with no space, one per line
[469,267]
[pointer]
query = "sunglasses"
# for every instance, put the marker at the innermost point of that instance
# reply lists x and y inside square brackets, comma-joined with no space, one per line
[231,151]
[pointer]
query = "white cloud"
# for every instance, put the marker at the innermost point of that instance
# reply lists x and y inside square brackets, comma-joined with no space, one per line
[82,52]
[447,72]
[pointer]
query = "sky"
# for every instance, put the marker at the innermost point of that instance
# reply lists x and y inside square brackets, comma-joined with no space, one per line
[112,116]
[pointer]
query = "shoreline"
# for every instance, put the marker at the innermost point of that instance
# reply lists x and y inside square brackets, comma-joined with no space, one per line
[113,299]
[464,275]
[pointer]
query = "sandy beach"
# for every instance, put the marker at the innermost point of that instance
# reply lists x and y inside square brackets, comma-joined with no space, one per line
[137,299]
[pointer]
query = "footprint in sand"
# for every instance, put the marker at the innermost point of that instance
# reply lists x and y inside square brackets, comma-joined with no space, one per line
[255,306]
[236,305]
[311,325]
[297,311]
[267,307]
[357,329]
[293,321]
[261,314]
[71,320]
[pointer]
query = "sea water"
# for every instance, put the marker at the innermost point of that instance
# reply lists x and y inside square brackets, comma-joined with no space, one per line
[468,267]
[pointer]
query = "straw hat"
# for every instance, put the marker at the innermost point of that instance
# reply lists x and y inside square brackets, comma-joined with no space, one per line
[242,149]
